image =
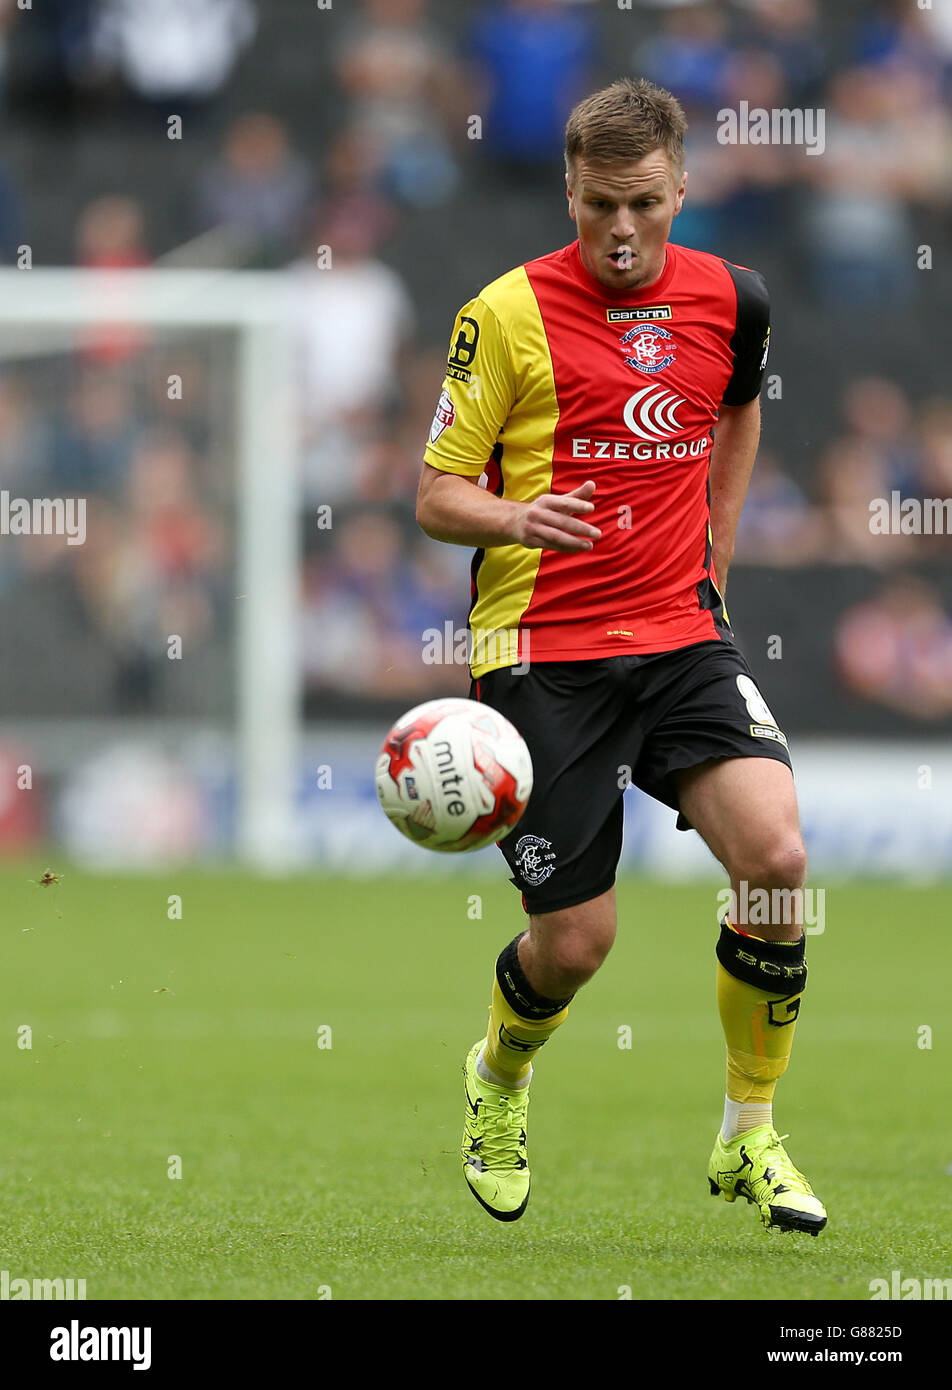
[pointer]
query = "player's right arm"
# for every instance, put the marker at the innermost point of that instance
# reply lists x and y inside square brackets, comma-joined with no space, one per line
[480,390]
[451,508]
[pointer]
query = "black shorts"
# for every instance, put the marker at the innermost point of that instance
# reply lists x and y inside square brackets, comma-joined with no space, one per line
[593,728]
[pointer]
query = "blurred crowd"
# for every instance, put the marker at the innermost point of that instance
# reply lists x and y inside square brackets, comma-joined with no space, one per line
[419,101]
[425,111]
[158,506]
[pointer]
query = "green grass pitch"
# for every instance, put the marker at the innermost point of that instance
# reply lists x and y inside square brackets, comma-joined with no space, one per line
[308,1168]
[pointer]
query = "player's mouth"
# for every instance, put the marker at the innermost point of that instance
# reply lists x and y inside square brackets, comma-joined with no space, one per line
[623,258]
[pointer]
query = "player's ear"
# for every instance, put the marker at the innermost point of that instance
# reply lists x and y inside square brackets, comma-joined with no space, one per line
[570,194]
[679,196]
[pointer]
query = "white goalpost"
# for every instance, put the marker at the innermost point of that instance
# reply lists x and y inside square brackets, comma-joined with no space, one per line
[47,310]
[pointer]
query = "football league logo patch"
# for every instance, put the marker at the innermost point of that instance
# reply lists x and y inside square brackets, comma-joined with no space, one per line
[444,417]
[651,346]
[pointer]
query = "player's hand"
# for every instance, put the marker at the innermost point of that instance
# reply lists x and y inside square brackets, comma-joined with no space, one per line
[554,521]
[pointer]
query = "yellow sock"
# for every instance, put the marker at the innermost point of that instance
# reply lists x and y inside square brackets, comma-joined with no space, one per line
[513,1040]
[759,1029]
[759,988]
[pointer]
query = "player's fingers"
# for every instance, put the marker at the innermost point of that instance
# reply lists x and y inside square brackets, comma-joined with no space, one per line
[551,538]
[566,502]
[558,520]
[585,490]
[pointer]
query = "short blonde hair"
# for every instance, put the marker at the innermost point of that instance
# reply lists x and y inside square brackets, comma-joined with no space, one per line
[624,122]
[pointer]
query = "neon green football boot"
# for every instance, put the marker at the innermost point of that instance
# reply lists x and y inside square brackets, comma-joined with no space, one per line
[755,1165]
[495,1162]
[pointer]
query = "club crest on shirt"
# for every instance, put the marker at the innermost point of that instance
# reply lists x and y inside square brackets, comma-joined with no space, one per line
[444,417]
[651,346]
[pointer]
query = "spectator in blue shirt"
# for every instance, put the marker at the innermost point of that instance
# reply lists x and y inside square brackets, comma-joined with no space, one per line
[534,57]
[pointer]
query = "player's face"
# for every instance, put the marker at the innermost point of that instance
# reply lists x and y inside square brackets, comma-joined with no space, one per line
[624,213]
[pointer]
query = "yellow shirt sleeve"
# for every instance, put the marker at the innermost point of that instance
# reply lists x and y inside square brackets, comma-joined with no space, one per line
[478,393]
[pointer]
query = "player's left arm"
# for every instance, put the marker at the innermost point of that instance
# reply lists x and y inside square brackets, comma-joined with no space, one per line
[736,436]
[737,432]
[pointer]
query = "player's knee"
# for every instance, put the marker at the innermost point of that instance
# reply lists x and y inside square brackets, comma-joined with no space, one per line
[780,863]
[573,970]
[569,957]
[577,955]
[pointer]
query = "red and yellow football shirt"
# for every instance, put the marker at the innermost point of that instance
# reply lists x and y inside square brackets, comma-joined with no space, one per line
[554,378]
